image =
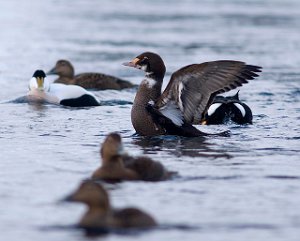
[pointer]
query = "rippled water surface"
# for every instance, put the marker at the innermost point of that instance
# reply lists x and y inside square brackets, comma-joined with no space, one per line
[244,187]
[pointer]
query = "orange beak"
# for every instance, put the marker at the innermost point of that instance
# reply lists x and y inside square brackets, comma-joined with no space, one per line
[132,63]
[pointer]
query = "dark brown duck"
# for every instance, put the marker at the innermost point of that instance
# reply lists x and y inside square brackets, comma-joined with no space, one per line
[117,166]
[100,215]
[65,70]
[189,93]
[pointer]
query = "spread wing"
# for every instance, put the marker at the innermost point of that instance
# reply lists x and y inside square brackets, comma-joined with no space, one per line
[193,88]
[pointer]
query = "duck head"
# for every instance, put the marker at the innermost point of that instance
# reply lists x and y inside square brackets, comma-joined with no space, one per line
[151,63]
[112,147]
[39,81]
[62,68]
[92,194]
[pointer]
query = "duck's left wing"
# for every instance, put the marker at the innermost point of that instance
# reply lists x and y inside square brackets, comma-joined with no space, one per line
[193,88]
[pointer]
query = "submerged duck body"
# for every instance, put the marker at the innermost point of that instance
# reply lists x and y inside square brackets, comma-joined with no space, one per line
[186,99]
[228,108]
[101,215]
[98,81]
[117,166]
[68,95]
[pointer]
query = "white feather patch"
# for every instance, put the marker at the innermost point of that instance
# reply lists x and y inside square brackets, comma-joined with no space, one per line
[180,88]
[172,111]
[151,102]
[241,108]
[212,109]
[64,92]
[149,82]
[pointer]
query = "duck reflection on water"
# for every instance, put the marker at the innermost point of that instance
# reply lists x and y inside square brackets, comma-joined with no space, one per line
[180,146]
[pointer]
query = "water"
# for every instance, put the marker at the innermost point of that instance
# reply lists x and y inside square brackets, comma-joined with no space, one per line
[243,187]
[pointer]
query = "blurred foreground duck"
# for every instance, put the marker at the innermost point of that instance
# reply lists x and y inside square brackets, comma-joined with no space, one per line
[100,215]
[65,70]
[187,97]
[228,108]
[117,166]
[41,90]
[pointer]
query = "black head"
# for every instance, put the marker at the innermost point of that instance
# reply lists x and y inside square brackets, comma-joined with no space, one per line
[39,74]
[151,63]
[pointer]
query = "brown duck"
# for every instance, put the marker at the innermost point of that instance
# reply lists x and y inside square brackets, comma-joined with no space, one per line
[101,215]
[65,70]
[118,166]
[189,93]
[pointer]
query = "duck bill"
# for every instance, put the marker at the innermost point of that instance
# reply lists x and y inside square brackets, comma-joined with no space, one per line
[51,71]
[132,63]
[69,198]
[40,83]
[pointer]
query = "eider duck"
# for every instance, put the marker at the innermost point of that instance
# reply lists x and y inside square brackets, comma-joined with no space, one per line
[68,95]
[187,96]
[117,166]
[101,215]
[228,108]
[97,81]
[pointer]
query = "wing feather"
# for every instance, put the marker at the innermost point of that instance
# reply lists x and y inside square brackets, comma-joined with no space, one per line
[194,87]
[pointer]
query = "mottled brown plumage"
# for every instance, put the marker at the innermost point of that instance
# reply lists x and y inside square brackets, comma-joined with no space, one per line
[187,96]
[65,70]
[101,215]
[117,166]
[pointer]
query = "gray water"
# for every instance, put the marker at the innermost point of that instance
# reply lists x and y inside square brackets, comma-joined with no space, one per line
[245,187]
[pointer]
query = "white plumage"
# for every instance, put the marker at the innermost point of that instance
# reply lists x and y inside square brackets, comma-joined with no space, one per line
[241,108]
[213,108]
[68,95]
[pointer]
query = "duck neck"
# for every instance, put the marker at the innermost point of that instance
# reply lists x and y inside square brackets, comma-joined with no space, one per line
[95,216]
[149,90]
[115,162]
[68,72]
[65,76]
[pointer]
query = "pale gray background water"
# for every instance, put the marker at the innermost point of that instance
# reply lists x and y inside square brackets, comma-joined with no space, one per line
[246,187]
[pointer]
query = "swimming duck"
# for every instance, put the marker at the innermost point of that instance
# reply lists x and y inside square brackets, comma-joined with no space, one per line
[68,95]
[187,96]
[65,70]
[101,215]
[228,108]
[116,165]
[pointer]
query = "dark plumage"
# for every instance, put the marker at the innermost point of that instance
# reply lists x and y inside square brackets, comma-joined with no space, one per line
[101,216]
[117,166]
[98,81]
[186,99]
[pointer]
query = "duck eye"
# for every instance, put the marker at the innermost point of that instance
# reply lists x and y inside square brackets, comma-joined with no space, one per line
[144,61]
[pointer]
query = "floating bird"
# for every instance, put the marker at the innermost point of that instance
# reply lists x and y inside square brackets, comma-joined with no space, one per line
[101,215]
[228,108]
[97,81]
[117,166]
[187,97]
[68,95]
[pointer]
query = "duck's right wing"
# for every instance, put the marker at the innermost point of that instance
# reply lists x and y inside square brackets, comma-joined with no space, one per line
[193,88]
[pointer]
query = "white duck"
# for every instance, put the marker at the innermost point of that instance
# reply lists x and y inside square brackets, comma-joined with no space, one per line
[41,90]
